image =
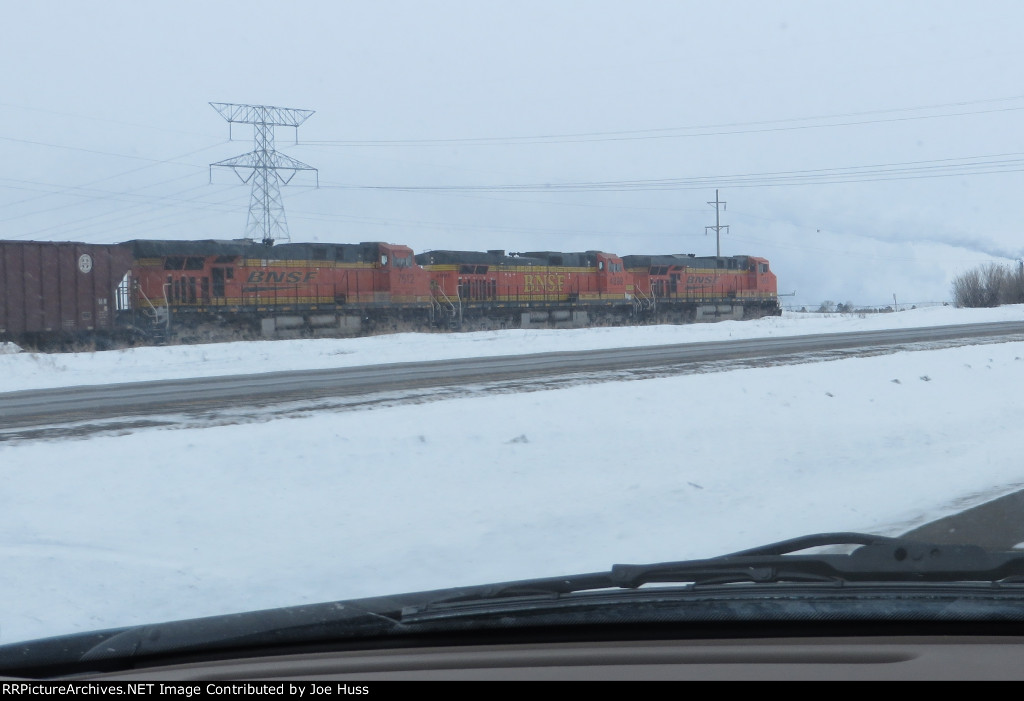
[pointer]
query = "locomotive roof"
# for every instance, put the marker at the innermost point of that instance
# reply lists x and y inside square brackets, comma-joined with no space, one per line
[683,260]
[585,259]
[345,252]
[477,258]
[143,248]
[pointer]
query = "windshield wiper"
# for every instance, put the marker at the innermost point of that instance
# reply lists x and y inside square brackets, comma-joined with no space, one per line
[878,559]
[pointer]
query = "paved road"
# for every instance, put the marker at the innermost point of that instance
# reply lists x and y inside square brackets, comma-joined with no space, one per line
[69,404]
[997,524]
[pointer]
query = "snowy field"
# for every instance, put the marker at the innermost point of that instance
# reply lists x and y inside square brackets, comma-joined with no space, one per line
[161,524]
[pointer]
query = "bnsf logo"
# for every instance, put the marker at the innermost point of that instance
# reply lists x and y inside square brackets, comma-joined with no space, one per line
[701,279]
[270,276]
[544,283]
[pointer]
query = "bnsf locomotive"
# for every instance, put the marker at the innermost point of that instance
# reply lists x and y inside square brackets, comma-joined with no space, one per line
[155,289]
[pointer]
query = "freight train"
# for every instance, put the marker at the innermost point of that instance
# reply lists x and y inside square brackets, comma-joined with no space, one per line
[152,291]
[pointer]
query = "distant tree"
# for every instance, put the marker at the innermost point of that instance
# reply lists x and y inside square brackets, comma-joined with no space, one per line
[989,286]
[826,306]
[1013,289]
[994,279]
[968,289]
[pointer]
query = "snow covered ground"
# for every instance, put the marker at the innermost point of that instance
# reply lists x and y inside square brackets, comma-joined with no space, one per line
[36,370]
[160,524]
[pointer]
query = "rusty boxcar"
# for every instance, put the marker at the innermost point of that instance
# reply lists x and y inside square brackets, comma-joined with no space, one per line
[60,291]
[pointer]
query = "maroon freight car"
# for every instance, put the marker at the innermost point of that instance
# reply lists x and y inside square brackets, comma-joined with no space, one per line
[60,290]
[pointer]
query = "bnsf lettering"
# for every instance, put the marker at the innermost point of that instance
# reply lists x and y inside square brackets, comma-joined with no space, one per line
[701,279]
[292,278]
[543,283]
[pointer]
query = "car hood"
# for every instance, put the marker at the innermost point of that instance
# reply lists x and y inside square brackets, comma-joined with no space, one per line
[881,580]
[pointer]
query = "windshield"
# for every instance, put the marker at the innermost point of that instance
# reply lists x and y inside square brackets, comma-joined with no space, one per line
[331,282]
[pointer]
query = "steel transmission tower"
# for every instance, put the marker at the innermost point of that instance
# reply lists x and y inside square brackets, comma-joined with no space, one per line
[269,169]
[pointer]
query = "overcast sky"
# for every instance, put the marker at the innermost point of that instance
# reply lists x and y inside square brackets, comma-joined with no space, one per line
[867,149]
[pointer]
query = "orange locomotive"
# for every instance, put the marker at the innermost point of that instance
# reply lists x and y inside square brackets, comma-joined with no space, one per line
[341,289]
[683,288]
[284,290]
[485,290]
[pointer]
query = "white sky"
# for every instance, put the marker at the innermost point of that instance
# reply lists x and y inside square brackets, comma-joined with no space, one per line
[159,524]
[106,134]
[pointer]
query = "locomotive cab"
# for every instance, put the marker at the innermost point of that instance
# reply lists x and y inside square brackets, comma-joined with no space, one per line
[611,276]
[763,282]
[400,276]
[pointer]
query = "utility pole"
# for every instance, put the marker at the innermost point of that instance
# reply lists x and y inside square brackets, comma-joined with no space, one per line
[718,226]
[266,219]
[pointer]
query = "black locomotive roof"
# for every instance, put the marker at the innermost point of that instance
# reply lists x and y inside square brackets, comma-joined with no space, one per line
[499,258]
[585,259]
[143,248]
[345,252]
[685,260]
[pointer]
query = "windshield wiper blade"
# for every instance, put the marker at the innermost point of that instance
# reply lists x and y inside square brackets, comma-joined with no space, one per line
[877,559]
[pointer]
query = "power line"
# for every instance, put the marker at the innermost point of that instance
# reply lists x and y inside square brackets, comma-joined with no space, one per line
[173,160]
[90,194]
[121,214]
[961,166]
[79,117]
[97,152]
[729,128]
[945,167]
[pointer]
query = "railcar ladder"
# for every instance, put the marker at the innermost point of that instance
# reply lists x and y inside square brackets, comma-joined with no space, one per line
[159,317]
[643,302]
[442,307]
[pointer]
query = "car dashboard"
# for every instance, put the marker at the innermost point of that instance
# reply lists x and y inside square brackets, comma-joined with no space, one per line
[923,657]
